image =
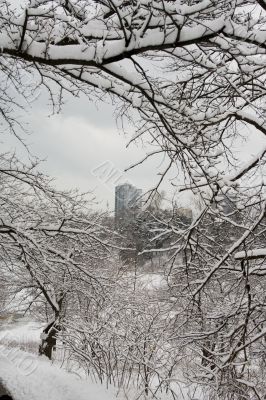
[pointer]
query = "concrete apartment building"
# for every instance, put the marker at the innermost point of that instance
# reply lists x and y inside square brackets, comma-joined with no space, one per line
[127,197]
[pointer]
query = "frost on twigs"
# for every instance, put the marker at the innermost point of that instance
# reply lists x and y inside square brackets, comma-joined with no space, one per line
[191,76]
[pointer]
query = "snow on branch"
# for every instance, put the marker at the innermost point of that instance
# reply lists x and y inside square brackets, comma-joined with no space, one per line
[251,254]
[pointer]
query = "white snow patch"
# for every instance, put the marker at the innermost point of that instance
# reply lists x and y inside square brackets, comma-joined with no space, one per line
[21,331]
[29,377]
[149,281]
[257,253]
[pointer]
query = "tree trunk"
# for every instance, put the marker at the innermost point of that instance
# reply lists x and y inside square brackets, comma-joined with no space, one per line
[48,342]
[48,337]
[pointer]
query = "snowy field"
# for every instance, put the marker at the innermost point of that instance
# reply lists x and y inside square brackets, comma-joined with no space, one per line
[21,329]
[150,282]
[29,377]
[21,332]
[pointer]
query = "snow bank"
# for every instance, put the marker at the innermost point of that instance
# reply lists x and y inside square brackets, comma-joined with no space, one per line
[29,377]
[148,282]
[21,331]
[151,281]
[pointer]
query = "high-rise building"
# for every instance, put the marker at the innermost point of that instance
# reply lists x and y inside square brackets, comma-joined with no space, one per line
[127,198]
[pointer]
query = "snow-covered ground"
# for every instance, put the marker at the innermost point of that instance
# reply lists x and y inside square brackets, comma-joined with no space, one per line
[20,332]
[150,281]
[29,377]
[20,329]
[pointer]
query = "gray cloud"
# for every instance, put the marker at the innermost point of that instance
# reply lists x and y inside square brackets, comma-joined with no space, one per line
[83,137]
[76,141]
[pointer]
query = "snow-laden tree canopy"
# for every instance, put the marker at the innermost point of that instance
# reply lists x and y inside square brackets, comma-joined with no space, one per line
[193,69]
[194,73]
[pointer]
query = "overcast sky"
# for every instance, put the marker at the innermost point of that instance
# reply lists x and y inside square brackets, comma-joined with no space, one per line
[82,145]
[82,142]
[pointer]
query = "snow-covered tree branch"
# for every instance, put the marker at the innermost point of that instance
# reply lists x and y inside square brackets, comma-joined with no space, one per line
[194,72]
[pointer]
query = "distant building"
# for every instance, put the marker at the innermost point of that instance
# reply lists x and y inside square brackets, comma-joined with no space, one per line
[127,198]
[226,204]
[183,213]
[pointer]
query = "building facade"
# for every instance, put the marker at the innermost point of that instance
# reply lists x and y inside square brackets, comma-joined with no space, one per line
[127,199]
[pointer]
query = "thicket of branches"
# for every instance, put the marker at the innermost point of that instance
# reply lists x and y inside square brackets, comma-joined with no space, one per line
[194,72]
[50,241]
